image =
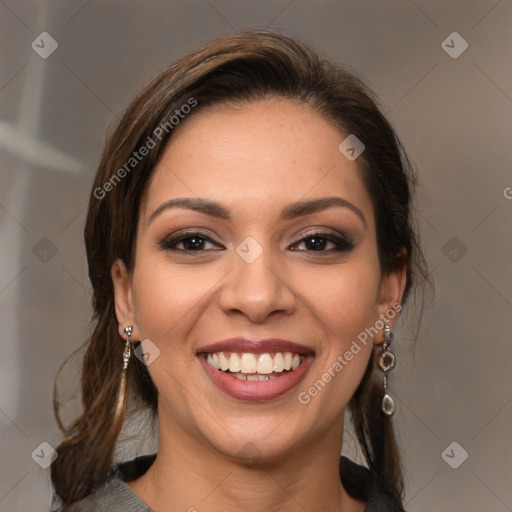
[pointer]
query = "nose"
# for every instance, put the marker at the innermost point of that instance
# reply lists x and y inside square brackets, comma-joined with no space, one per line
[257,290]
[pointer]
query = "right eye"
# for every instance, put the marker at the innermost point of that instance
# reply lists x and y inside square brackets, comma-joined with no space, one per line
[190,242]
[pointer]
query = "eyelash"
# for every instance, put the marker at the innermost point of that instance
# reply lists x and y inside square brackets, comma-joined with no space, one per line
[343,244]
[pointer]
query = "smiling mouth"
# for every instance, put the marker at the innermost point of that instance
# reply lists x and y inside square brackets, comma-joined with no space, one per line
[248,366]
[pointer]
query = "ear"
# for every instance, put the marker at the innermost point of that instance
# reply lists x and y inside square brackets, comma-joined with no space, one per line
[123,297]
[392,286]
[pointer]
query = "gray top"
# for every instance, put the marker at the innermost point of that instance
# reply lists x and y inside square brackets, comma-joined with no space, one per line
[117,496]
[114,496]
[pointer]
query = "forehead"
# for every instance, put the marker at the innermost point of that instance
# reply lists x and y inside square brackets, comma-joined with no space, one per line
[255,155]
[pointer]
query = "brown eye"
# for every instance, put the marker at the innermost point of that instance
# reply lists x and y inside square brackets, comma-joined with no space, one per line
[324,242]
[189,242]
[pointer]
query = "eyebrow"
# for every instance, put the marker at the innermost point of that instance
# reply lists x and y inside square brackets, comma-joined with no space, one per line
[290,212]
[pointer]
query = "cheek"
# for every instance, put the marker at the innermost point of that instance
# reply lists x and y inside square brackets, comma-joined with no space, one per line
[168,299]
[344,306]
[345,298]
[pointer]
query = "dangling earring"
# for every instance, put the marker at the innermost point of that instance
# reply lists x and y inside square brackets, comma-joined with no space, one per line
[127,348]
[386,363]
[121,395]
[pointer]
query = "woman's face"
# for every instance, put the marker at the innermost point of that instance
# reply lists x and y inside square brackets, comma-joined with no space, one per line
[274,239]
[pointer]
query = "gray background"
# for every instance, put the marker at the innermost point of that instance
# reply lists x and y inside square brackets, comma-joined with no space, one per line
[453,116]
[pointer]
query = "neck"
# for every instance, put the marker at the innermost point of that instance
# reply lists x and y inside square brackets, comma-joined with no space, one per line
[191,475]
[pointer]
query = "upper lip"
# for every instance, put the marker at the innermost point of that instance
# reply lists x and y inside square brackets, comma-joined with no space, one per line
[255,346]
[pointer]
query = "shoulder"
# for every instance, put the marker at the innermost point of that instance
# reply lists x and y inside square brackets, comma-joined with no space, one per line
[362,485]
[115,495]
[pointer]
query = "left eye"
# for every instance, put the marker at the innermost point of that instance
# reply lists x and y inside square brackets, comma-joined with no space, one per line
[318,242]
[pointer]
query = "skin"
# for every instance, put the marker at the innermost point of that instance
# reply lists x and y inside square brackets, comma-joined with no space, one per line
[254,159]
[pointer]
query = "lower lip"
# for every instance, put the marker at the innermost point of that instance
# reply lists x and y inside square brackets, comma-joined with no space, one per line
[256,391]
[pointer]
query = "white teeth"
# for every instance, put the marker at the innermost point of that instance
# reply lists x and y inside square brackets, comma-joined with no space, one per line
[234,364]
[224,363]
[265,364]
[278,362]
[241,376]
[249,363]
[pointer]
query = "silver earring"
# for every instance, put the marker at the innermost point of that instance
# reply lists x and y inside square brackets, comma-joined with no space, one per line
[127,348]
[121,394]
[386,362]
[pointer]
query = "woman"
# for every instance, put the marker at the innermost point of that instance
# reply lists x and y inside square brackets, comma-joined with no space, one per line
[250,246]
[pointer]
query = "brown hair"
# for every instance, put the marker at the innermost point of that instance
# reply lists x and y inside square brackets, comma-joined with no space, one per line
[243,66]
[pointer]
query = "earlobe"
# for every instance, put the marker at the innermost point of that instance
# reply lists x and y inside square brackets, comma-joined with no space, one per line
[122,283]
[391,292]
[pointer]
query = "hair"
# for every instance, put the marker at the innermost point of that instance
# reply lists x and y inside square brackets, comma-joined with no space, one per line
[240,67]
